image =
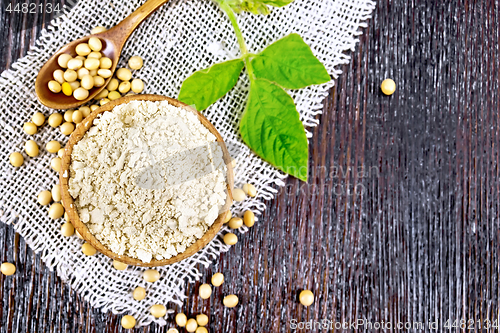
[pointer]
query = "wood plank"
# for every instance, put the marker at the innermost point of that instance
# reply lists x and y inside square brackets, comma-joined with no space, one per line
[420,239]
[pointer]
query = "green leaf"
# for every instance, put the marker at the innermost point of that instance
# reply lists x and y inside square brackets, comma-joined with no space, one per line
[277,3]
[290,63]
[255,6]
[271,127]
[205,87]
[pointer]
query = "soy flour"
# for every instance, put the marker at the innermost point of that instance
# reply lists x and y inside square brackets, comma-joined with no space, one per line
[148,179]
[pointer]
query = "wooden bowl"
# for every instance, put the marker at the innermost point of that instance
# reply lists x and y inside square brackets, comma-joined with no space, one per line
[70,208]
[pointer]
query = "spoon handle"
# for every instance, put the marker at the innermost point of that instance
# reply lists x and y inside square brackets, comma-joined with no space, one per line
[122,31]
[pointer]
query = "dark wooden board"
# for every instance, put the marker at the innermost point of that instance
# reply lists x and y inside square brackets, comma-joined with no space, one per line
[418,242]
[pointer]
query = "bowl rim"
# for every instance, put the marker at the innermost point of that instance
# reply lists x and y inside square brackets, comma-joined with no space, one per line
[70,209]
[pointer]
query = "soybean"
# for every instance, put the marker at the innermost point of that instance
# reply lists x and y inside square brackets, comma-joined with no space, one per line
[80,94]
[230,301]
[158,310]
[83,49]
[67,128]
[77,116]
[54,86]
[55,164]
[124,87]
[151,275]
[88,249]
[139,293]
[249,218]
[228,216]
[81,72]
[128,322]
[181,319]
[103,94]
[105,73]
[44,198]
[75,64]
[124,74]
[306,297]
[67,89]
[58,76]
[205,291]
[235,223]
[97,30]
[98,81]
[217,279]
[56,192]
[70,75]
[67,229]
[114,95]
[95,44]
[230,238]
[135,62]
[119,265]
[92,64]
[74,85]
[55,119]
[30,128]
[16,159]
[87,82]
[238,194]
[63,59]
[7,268]
[191,325]
[85,110]
[202,319]
[94,55]
[137,86]
[112,85]
[388,87]
[56,211]
[105,63]
[38,119]
[31,148]
[68,115]
[250,190]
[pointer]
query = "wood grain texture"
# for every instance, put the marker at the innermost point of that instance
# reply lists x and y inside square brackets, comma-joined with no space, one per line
[416,240]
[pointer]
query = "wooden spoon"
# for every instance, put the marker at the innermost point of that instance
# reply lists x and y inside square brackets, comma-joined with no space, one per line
[82,229]
[112,40]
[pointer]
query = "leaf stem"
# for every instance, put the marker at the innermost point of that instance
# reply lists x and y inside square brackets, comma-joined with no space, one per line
[234,21]
[245,55]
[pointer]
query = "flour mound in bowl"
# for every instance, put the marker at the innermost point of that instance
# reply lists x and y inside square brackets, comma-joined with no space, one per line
[148,179]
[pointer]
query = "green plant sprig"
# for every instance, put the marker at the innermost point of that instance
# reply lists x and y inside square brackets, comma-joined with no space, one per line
[270,124]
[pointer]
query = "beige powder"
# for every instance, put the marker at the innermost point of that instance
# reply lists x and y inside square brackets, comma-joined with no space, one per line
[148,179]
